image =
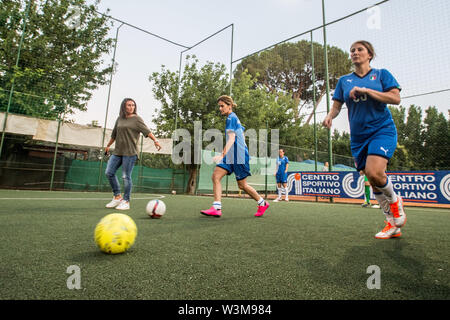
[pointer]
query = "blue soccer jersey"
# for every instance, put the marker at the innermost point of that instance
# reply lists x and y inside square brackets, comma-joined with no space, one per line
[281,176]
[281,163]
[237,158]
[239,153]
[366,115]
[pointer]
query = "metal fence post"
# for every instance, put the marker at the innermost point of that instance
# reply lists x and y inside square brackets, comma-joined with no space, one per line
[100,174]
[27,10]
[56,153]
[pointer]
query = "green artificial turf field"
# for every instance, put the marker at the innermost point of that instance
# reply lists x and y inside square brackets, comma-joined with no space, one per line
[298,250]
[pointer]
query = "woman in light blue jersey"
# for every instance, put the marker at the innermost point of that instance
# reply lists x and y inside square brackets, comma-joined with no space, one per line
[233,159]
[373,137]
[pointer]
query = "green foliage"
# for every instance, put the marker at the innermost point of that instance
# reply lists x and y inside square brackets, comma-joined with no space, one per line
[258,108]
[200,87]
[288,68]
[59,65]
[422,143]
[436,140]
[158,161]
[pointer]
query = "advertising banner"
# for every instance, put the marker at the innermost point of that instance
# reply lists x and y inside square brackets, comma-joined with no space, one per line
[413,186]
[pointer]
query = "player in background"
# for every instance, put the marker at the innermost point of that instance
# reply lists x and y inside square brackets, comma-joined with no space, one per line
[125,133]
[234,158]
[373,135]
[281,175]
[367,203]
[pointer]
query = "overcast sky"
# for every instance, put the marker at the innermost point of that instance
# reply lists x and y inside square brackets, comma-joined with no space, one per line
[410,37]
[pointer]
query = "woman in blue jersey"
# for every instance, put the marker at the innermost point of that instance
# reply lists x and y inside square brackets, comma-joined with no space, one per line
[373,136]
[281,175]
[234,159]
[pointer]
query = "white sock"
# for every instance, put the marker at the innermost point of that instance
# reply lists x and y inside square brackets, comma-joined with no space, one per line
[261,202]
[286,193]
[388,191]
[217,205]
[279,192]
[381,198]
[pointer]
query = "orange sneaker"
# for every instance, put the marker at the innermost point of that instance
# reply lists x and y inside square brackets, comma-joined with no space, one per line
[388,232]
[398,212]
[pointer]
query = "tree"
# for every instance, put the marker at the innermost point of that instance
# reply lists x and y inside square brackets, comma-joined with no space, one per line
[436,140]
[412,136]
[199,89]
[422,143]
[341,148]
[59,65]
[288,68]
[405,132]
[260,109]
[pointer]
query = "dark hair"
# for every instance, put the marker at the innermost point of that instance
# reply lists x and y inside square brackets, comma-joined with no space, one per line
[123,105]
[367,45]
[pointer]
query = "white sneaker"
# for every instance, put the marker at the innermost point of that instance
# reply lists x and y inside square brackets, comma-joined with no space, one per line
[398,212]
[287,199]
[375,206]
[388,232]
[277,199]
[114,203]
[124,205]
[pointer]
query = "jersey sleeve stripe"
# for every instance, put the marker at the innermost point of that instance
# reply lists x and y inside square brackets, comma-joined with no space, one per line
[392,87]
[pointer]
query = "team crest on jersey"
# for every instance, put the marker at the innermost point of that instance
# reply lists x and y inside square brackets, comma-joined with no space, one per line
[373,77]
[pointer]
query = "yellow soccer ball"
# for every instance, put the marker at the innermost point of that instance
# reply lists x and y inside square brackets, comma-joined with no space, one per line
[115,233]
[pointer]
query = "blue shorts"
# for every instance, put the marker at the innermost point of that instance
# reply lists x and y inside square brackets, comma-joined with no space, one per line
[382,143]
[281,177]
[241,171]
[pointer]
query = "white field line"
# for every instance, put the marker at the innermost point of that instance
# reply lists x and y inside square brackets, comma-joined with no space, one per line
[84,199]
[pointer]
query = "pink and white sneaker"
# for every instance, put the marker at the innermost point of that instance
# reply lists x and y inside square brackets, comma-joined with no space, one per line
[262,209]
[211,212]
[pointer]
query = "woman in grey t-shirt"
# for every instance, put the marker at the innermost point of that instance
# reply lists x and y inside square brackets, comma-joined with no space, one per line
[126,134]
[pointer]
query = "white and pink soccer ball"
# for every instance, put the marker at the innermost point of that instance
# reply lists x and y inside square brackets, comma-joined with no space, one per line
[155,208]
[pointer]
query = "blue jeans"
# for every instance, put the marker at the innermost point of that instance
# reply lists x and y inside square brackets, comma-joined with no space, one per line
[127,163]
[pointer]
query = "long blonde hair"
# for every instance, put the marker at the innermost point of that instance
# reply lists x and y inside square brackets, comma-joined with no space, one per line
[228,100]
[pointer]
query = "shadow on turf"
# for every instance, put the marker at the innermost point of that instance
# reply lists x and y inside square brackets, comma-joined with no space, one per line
[97,255]
[402,275]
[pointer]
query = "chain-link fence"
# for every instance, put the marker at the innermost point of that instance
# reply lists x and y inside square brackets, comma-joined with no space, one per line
[61,58]
[58,60]
[409,37]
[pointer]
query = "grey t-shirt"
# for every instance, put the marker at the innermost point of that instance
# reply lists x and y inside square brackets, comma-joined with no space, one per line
[126,134]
